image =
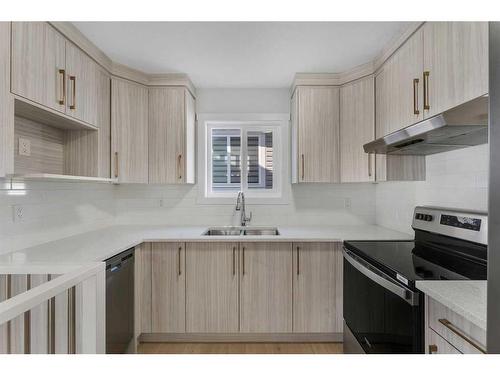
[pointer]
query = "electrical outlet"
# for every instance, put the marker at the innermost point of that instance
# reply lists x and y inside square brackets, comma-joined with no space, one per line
[18,212]
[24,147]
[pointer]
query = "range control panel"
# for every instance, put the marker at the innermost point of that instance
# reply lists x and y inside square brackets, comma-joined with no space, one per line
[467,225]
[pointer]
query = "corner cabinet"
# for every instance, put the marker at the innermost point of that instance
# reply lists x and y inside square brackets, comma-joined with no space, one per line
[357,127]
[315,134]
[171,136]
[129,131]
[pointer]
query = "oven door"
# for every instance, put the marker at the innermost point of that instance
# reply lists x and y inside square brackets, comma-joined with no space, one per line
[380,314]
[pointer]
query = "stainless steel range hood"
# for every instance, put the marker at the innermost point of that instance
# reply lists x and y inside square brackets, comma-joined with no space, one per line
[459,127]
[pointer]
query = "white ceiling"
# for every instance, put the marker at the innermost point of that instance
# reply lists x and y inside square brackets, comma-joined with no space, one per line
[241,54]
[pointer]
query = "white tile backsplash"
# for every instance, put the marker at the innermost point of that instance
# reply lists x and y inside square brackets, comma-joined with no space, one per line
[456,179]
[322,204]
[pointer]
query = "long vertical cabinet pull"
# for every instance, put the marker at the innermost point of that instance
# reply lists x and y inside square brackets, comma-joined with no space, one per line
[369,164]
[302,177]
[62,100]
[243,261]
[116,164]
[8,283]
[179,264]
[73,101]
[234,260]
[179,166]
[427,106]
[415,97]
[298,260]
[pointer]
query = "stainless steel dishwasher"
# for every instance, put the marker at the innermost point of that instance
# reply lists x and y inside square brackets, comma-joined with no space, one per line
[119,301]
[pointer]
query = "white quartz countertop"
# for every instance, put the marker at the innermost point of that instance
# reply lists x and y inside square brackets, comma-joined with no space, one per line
[101,244]
[465,297]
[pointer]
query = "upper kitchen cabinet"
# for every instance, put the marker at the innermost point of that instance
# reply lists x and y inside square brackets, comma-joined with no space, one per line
[129,131]
[315,134]
[83,89]
[171,136]
[357,127]
[51,72]
[39,64]
[399,88]
[455,64]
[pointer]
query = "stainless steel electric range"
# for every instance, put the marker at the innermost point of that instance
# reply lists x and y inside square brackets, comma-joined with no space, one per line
[383,310]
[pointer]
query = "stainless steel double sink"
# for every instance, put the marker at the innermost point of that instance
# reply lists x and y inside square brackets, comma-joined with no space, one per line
[242,231]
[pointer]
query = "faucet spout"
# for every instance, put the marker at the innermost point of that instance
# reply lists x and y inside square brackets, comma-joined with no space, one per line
[240,206]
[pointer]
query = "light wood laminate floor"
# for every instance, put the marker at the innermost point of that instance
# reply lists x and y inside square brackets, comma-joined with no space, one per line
[241,348]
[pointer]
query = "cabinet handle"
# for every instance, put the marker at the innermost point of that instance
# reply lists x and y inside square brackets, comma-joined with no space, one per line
[427,106]
[234,260]
[369,164]
[62,72]
[302,167]
[180,250]
[116,164]
[433,349]
[298,260]
[415,97]
[243,260]
[457,332]
[73,80]
[179,166]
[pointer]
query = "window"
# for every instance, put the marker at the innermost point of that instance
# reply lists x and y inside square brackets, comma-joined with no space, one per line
[242,156]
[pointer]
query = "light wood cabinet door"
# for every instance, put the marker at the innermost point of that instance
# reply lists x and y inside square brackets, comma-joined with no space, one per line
[318,133]
[212,287]
[129,131]
[168,287]
[38,64]
[357,127]
[266,287]
[168,135]
[399,88]
[456,59]
[83,85]
[317,287]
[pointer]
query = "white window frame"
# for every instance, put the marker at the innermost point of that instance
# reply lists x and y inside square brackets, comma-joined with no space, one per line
[278,124]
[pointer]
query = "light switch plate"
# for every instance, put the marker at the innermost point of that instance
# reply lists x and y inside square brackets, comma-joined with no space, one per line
[24,147]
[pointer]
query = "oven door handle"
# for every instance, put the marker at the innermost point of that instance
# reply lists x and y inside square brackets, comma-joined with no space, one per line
[381,278]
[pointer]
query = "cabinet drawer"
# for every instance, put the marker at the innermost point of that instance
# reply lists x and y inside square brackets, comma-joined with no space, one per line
[454,328]
[437,345]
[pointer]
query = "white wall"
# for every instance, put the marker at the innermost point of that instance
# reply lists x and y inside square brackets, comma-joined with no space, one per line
[456,179]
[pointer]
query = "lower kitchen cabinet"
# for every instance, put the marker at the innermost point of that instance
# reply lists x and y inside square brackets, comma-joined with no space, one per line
[168,287]
[438,345]
[266,287]
[317,287]
[212,287]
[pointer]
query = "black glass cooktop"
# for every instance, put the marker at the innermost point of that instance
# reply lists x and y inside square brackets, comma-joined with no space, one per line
[408,261]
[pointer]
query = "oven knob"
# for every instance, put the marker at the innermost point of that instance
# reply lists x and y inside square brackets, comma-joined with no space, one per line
[428,218]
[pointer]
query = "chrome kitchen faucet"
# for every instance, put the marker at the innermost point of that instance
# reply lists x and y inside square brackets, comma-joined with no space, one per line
[240,206]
